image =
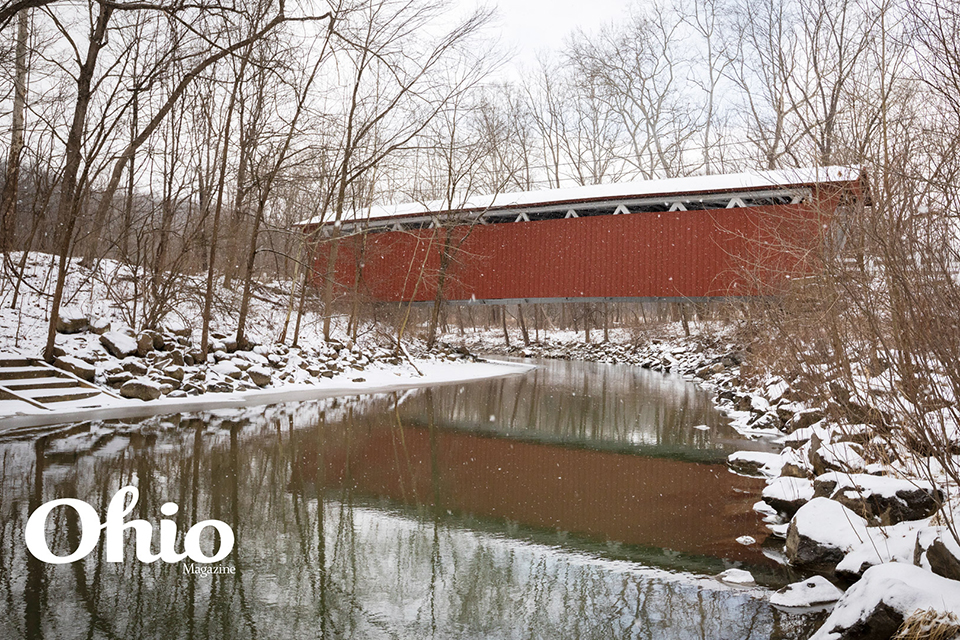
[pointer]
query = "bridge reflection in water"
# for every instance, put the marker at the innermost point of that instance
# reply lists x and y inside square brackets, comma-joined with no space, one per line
[390,516]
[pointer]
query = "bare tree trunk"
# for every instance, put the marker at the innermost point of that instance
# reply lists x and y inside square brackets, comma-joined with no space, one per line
[503,319]
[523,326]
[68,209]
[8,201]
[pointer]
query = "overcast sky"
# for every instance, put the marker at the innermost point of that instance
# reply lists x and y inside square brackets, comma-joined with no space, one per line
[531,25]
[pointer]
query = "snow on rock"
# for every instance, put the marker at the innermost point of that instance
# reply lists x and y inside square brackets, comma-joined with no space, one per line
[811,592]
[737,576]
[802,419]
[877,605]
[71,320]
[259,375]
[786,494]
[77,367]
[889,500]
[937,551]
[837,456]
[226,369]
[756,463]
[142,388]
[118,344]
[822,532]
[896,543]
[795,463]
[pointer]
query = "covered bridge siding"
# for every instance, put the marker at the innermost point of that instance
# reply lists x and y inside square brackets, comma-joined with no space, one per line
[688,238]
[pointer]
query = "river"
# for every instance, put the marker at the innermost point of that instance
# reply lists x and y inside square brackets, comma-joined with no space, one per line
[578,500]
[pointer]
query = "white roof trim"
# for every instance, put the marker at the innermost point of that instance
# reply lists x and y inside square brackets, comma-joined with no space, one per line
[671,186]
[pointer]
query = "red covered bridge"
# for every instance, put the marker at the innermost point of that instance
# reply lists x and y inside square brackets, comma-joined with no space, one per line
[678,239]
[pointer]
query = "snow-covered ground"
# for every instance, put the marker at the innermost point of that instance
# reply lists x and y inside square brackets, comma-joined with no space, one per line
[153,372]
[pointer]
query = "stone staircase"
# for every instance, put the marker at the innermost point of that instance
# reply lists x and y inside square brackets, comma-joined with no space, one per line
[33,381]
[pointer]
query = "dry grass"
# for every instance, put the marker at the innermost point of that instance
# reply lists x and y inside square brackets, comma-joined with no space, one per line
[928,624]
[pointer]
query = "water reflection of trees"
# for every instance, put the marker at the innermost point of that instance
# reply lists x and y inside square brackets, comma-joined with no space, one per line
[315,558]
[587,402]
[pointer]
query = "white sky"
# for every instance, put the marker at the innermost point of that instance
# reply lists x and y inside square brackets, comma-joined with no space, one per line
[531,25]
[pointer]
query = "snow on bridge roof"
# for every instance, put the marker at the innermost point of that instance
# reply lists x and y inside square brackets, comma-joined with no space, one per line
[693,186]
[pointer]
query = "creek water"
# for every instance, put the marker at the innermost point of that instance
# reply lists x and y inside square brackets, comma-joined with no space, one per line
[576,501]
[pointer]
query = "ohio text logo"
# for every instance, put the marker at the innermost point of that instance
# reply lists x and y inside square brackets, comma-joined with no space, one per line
[115,527]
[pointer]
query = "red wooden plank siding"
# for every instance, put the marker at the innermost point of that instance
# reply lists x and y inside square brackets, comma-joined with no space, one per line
[718,252]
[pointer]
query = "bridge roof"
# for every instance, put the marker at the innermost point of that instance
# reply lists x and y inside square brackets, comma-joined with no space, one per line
[671,187]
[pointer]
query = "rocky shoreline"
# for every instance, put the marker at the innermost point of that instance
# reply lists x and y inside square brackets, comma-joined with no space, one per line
[150,364]
[843,508]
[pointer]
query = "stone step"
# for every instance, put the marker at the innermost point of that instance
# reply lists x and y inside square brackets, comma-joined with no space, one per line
[67,397]
[16,373]
[38,383]
[14,361]
[41,392]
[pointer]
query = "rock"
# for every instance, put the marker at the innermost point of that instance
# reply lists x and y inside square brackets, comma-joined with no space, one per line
[876,606]
[173,372]
[888,500]
[787,495]
[327,374]
[227,369]
[167,381]
[176,358]
[755,463]
[786,410]
[118,344]
[710,369]
[895,543]
[177,328]
[811,592]
[71,320]
[803,418]
[738,577]
[938,551]
[100,326]
[117,379]
[142,388]
[76,366]
[821,533]
[835,456]
[144,344]
[259,375]
[135,367]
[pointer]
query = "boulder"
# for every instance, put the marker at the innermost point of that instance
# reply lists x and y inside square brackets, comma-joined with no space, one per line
[821,533]
[835,456]
[174,372]
[71,320]
[802,419]
[118,344]
[100,326]
[259,375]
[787,494]
[177,328]
[815,590]
[896,543]
[141,388]
[117,379]
[77,367]
[756,463]
[875,607]
[938,551]
[887,500]
[135,367]
[144,343]
[227,369]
